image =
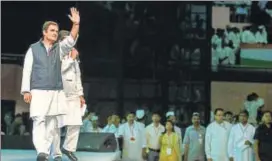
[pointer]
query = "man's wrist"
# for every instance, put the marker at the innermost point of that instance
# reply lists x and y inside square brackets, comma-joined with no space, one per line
[76,23]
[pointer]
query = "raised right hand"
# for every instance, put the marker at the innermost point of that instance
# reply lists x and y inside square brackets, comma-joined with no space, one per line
[27,97]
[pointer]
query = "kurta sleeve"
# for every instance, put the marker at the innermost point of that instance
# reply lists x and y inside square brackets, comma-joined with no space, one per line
[66,45]
[231,144]
[78,80]
[27,70]
[208,137]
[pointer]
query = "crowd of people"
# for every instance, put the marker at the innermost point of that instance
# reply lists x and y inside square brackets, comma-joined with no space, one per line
[226,43]
[241,137]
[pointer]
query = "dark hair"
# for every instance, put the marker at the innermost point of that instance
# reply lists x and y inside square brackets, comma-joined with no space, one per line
[265,112]
[228,113]
[63,34]
[156,113]
[244,112]
[18,115]
[218,109]
[131,112]
[173,125]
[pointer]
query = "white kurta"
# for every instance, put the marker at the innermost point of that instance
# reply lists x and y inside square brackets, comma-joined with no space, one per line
[236,145]
[261,37]
[252,108]
[216,141]
[248,37]
[132,149]
[71,78]
[45,102]
[224,53]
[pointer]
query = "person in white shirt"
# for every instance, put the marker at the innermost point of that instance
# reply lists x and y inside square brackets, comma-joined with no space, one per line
[253,107]
[248,36]
[241,140]
[216,138]
[134,140]
[42,85]
[73,89]
[170,115]
[261,35]
[228,116]
[194,140]
[153,133]
[224,54]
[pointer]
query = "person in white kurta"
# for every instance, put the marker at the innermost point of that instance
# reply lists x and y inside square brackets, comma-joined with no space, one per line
[261,35]
[248,37]
[253,107]
[134,142]
[71,78]
[216,138]
[241,140]
[45,105]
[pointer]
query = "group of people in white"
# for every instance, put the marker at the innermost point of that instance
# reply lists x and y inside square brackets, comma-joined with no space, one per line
[222,140]
[226,43]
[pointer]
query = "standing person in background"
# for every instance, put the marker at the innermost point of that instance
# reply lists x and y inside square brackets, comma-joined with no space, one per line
[263,138]
[140,117]
[228,116]
[153,133]
[72,85]
[42,84]
[241,140]
[133,138]
[170,115]
[254,105]
[194,140]
[216,138]
[170,144]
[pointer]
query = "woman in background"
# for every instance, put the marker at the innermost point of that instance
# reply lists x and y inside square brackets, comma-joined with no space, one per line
[170,144]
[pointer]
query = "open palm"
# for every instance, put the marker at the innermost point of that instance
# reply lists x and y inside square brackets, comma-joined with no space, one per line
[74,15]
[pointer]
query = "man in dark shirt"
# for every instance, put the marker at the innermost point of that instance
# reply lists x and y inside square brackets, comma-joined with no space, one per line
[263,139]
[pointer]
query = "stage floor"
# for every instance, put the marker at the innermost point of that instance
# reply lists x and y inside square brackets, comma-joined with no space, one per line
[30,155]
